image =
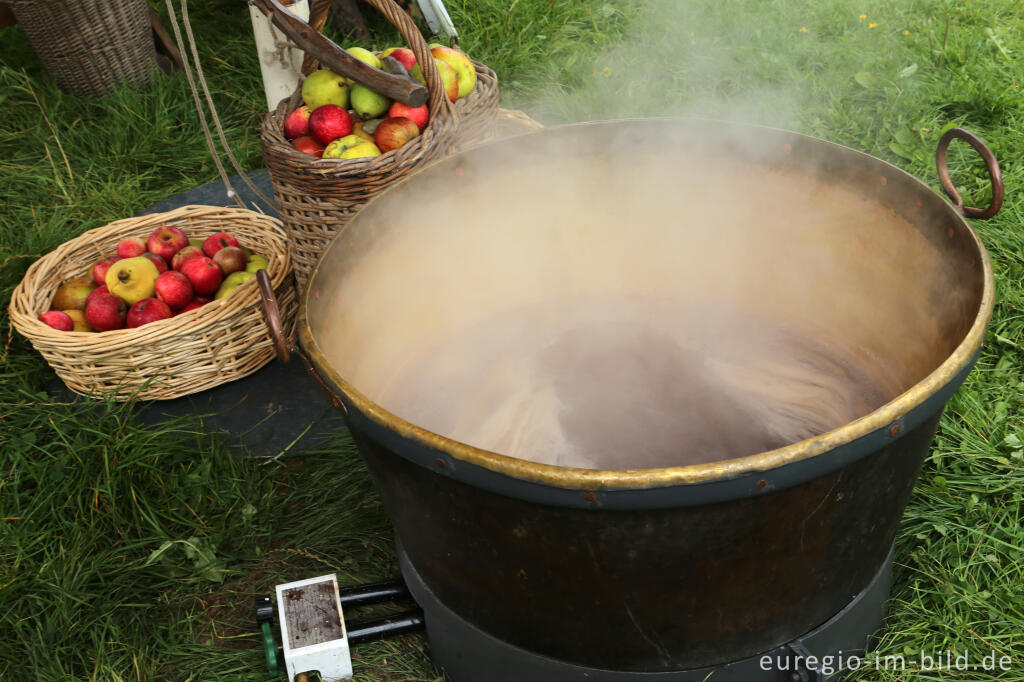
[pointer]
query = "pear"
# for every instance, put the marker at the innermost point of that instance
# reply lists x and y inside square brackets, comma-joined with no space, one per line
[367,103]
[325,87]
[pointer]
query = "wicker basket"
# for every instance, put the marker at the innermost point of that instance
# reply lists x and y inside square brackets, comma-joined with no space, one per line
[478,109]
[90,45]
[222,341]
[317,197]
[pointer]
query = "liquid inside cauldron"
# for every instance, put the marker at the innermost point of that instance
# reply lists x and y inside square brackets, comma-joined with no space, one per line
[634,383]
[685,307]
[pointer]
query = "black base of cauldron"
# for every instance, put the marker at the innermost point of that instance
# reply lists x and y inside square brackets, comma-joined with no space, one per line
[467,654]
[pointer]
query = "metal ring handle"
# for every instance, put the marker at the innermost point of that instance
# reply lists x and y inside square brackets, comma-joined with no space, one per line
[272,315]
[993,172]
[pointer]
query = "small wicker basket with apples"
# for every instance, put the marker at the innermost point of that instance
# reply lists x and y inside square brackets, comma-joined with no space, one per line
[133,309]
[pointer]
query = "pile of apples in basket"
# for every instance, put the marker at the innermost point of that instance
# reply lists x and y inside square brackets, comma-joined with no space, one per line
[151,280]
[342,119]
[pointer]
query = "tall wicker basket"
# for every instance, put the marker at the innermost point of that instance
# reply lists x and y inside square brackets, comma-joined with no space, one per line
[317,197]
[90,45]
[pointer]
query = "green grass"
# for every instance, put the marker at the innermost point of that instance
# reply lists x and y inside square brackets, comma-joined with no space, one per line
[89,495]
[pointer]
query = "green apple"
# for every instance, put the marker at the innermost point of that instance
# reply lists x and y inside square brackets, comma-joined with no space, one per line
[232,282]
[449,79]
[351,147]
[325,87]
[464,69]
[132,279]
[367,103]
[256,262]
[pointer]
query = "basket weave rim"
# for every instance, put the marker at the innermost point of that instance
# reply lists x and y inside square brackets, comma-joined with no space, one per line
[196,320]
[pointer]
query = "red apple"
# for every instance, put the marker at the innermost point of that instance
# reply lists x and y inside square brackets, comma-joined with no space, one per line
[99,271]
[328,123]
[57,319]
[203,300]
[101,289]
[404,55]
[192,306]
[307,145]
[217,241]
[174,289]
[418,115]
[145,311]
[166,241]
[160,263]
[105,312]
[231,259]
[297,123]
[394,132]
[131,247]
[185,254]
[204,274]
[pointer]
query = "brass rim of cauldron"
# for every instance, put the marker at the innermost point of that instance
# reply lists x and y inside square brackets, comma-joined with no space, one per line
[600,479]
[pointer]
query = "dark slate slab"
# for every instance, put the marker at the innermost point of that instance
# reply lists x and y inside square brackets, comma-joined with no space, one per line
[278,410]
[215,194]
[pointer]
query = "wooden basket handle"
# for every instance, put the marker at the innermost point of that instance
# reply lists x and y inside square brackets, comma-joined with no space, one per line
[400,19]
[317,20]
[400,86]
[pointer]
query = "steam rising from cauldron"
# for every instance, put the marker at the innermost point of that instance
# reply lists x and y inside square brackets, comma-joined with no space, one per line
[635,303]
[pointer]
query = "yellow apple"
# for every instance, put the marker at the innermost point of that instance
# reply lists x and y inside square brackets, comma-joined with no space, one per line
[449,79]
[132,279]
[78,319]
[233,281]
[464,69]
[350,147]
[72,294]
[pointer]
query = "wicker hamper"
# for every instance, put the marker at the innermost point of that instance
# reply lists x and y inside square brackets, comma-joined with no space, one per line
[317,197]
[223,340]
[90,45]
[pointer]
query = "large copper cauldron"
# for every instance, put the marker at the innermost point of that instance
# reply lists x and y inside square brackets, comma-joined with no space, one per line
[666,567]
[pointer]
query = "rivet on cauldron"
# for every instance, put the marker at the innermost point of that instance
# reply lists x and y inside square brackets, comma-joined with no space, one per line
[895,429]
[316,294]
[920,203]
[950,233]
[590,497]
[787,149]
[884,180]
[762,484]
[439,462]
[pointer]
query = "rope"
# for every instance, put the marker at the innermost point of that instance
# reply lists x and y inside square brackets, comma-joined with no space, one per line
[213,109]
[202,112]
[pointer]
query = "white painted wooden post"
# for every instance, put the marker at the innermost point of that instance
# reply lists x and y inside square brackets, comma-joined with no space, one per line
[280,60]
